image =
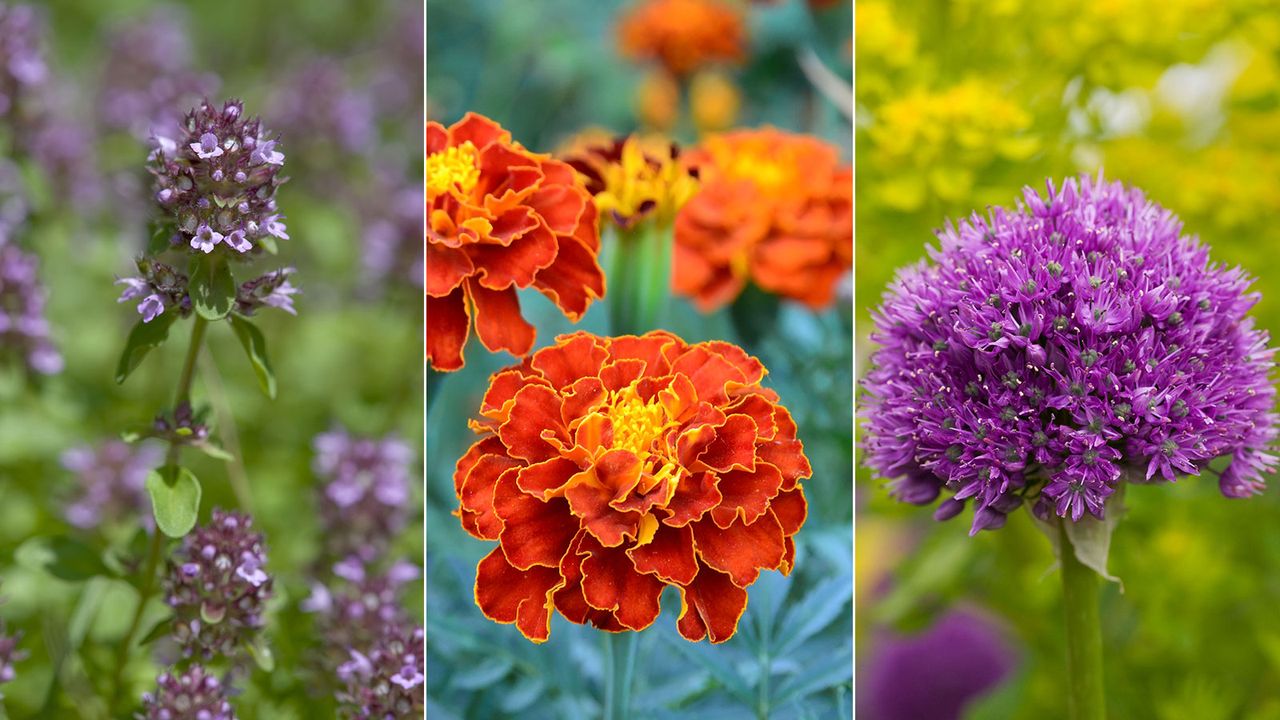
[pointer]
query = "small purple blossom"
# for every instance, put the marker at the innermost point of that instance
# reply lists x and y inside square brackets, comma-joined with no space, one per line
[364,492]
[217,587]
[937,673]
[9,654]
[24,331]
[112,478]
[217,181]
[22,65]
[195,693]
[357,606]
[1049,352]
[272,289]
[388,680]
[160,286]
[393,251]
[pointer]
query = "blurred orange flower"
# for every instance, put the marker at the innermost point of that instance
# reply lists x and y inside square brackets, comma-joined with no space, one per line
[714,101]
[501,218]
[683,35]
[775,208]
[609,468]
[657,101]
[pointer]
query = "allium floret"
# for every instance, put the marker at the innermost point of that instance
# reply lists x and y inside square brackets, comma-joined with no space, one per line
[1049,352]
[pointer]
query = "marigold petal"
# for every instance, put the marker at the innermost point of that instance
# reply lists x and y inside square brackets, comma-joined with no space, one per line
[516,264]
[448,323]
[614,476]
[498,322]
[536,408]
[573,358]
[437,137]
[734,446]
[788,456]
[569,599]
[501,394]
[791,509]
[547,479]
[610,582]
[695,495]
[741,550]
[476,496]
[618,374]
[574,280]
[508,595]
[746,494]
[583,398]
[669,555]
[534,532]
[560,205]
[708,372]
[478,130]
[446,269]
[651,348]
[710,606]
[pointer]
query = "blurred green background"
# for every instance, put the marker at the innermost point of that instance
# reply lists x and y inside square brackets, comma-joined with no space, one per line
[546,71]
[962,103]
[350,357]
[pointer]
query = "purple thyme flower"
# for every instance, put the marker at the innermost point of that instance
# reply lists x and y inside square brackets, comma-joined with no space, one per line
[22,65]
[319,102]
[272,289]
[23,328]
[217,587]
[147,74]
[357,606]
[393,247]
[112,479]
[159,288]
[937,673]
[387,681]
[196,694]
[9,654]
[364,497]
[218,180]
[1054,350]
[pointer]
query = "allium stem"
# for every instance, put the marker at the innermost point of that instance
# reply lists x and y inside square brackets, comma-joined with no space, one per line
[1084,634]
[619,668]
[157,538]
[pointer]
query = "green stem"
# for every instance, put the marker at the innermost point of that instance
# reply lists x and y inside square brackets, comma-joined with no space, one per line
[157,538]
[1084,634]
[640,277]
[619,667]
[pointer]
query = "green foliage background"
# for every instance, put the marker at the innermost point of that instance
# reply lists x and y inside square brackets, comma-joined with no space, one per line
[347,358]
[545,71]
[1179,98]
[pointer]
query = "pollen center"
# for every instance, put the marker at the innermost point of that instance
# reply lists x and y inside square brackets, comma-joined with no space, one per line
[636,424]
[455,169]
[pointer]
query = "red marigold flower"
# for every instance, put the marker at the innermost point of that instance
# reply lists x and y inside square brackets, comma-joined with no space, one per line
[683,35]
[609,468]
[775,208]
[501,218]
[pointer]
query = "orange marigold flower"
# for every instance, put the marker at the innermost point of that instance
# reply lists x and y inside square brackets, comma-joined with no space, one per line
[775,208]
[501,218]
[713,101]
[609,468]
[683,35]
[634,177]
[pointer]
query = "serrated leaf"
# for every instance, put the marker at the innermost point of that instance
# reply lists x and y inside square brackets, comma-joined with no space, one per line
[213,289]
[63,557]
[717,663]
[175,499]
[255,347]
[819,608]
[143,338]
[832,671]
[523,693]
[484,673]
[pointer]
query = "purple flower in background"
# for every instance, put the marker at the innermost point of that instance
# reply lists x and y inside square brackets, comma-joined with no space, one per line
[393,231]
[364,495]
[937,673]
[213,183]
[357,606]
[195,693]
[22,64]
[9,654]
[320,103]
[217,586]
[386,681]
[159,286]
[147,75]
[1059,348]
[112,478]
[272,289]
[23,329]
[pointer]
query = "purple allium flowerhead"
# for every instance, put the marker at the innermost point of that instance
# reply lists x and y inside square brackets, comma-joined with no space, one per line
[387,681]
[147,75]
[157,288]
[936,673]
[22,64]
[271,289]
[358,605]
[112,482]
[195,694]
[218,587]
[1056,349]
[24,332]
[217,182]
[364,491]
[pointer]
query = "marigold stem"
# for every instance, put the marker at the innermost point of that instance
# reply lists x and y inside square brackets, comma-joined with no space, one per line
[1086,700]
[619,668]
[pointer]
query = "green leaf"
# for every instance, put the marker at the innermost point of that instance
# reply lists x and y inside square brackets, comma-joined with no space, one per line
[161,629]
[63,557]
[819,608]
[213,450]
[1090,537]
[262,655]
[523,693]
[175,499]
[482,674]
[268,243]
[143,338]
[213,289]
[255,346]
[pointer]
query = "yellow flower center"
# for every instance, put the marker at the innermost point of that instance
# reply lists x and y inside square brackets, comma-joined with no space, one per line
[455,169]
[769,171]
[636,424]
[639,181]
